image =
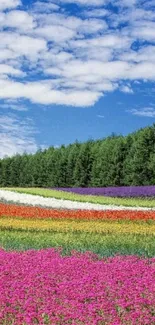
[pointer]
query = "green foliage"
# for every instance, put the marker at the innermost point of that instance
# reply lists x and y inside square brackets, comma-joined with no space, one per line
[83,165]
[104,245]
[114,161]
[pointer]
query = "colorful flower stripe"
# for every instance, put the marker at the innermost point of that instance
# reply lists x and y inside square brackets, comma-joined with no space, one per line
[64,200]
[44,288]
[36,212]
[101,227]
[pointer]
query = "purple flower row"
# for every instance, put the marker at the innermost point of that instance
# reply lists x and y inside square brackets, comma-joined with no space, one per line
[124,191]
[42,287]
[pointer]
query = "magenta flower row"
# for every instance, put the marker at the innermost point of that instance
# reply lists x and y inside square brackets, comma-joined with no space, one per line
[42,287]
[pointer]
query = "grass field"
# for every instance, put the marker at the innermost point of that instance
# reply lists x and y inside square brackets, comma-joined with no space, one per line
[105,245]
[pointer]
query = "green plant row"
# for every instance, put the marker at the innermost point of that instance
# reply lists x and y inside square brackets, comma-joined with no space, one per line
[128,202]
[104,245]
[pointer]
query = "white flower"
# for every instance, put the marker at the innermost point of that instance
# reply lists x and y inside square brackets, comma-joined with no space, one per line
[36,200]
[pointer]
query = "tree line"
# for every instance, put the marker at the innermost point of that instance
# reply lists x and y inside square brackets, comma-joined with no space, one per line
[113,161]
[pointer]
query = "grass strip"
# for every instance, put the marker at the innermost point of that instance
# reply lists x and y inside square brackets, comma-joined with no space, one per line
[104,245]
[128,202]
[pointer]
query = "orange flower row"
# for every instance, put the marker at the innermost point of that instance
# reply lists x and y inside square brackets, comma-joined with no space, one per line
[37,212]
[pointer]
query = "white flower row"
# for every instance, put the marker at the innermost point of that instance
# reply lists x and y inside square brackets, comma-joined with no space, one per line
[36,200]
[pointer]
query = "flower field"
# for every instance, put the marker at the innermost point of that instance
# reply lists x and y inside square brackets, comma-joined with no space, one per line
[39,196]
[123,191]
[44,288]
[65,261]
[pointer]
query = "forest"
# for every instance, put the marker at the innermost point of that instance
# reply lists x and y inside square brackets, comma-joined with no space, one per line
[113,161]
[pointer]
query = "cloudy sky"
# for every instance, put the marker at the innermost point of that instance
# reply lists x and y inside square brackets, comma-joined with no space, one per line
[74,69]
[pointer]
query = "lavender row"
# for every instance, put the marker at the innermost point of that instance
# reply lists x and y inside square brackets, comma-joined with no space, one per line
[124,191]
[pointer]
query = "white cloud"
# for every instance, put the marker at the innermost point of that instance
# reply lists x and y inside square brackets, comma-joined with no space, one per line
[144,112]
[143,70]
[112,41]
[96,3]
[6,54]
[140,15]
[145,32]
[14,105]
[100,116]
[96,13]
[149,4]
[136,17]
[56,33]
[9,70]
[9,4]
[10,141]
[28,46]
[51,58]
[126,3]
[22,45]
[17,19]
[95,70]
[43,93]
[76,24]
[74,59]
[145,54]
[126,89]
[42,6]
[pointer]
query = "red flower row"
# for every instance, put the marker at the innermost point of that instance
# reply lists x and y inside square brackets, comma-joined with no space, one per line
[37,212]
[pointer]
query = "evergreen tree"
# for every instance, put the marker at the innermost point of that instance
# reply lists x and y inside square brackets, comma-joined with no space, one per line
[71,163]
[82,172]
[113,161]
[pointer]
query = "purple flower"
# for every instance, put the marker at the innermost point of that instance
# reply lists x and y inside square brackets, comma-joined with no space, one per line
[123,191]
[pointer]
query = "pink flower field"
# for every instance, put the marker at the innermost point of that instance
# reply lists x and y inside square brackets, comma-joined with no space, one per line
[43,287]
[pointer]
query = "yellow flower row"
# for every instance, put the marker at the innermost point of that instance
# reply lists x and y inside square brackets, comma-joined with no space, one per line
[92,226]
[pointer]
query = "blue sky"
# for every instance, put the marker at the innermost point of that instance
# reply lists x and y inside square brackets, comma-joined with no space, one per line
[74,70]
